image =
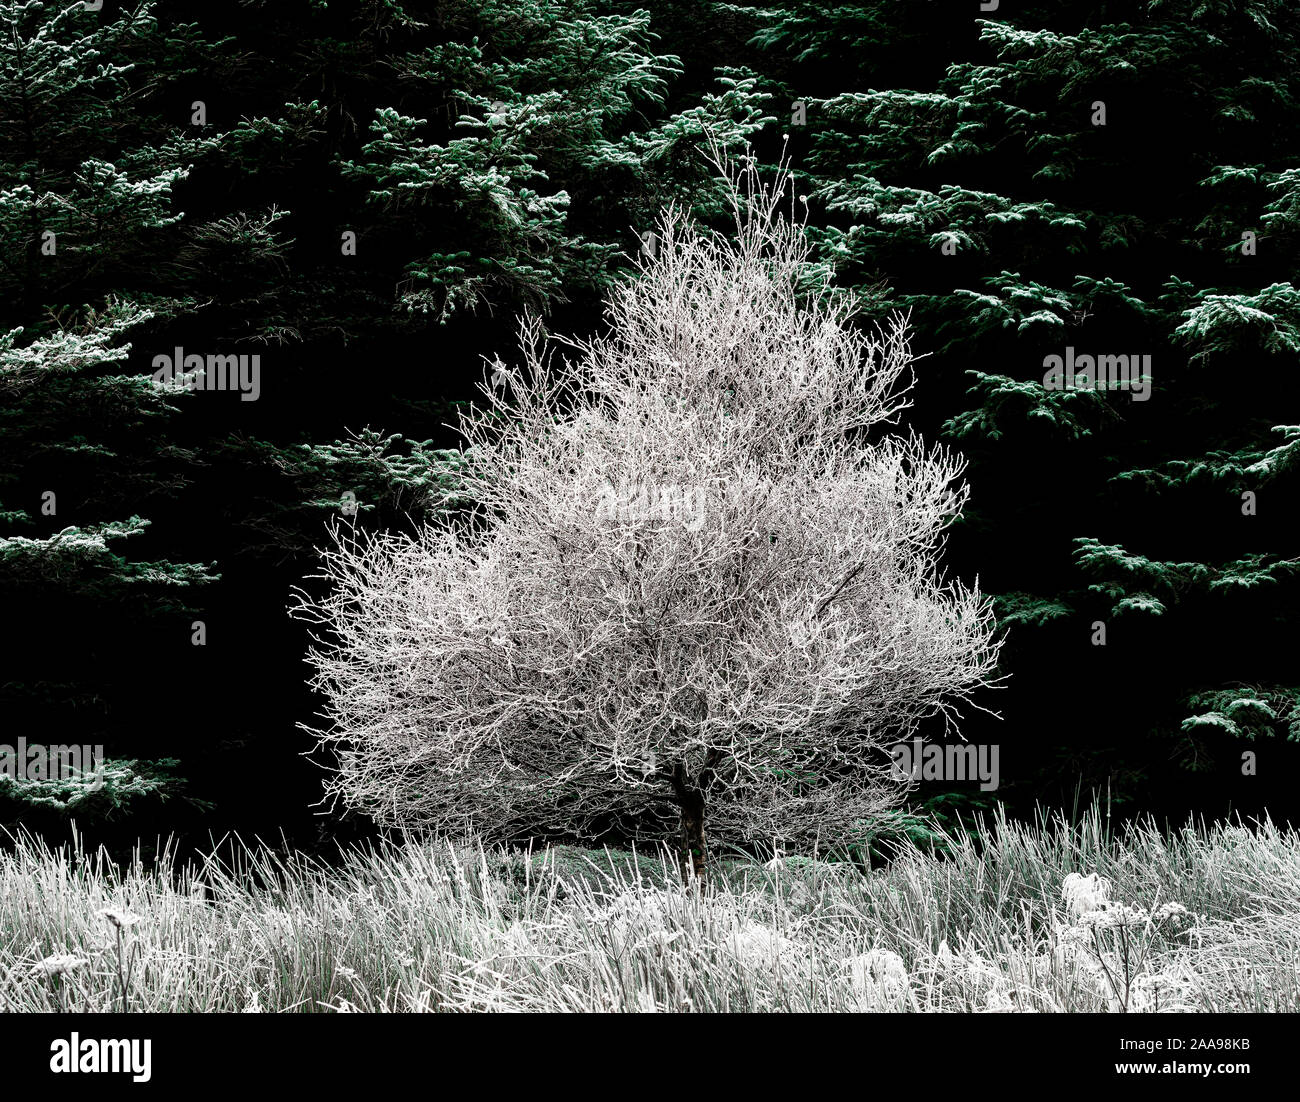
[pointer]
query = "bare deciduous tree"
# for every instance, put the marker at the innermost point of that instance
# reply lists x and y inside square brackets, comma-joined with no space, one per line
[689,579]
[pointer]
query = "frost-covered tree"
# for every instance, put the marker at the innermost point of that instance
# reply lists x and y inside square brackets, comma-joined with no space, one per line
[690,585]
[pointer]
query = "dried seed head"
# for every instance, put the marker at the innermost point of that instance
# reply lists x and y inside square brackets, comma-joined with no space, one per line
[121,918]
[57,965]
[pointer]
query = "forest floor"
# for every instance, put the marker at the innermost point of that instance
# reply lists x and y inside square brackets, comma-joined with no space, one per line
[1039,917]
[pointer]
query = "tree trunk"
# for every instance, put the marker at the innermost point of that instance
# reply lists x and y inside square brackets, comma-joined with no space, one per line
[693,853]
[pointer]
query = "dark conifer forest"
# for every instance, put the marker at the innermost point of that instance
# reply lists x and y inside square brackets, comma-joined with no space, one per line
[350,205]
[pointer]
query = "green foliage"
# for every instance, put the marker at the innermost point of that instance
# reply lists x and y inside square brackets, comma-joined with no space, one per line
[1007,404]
[551,99]
[1231,470]
[932,825]
[112,789]
[1134,581]
[80,558]
[303,485]
[1246,712]
[88,185]
[1222,325]
[1027,610]
[963,177]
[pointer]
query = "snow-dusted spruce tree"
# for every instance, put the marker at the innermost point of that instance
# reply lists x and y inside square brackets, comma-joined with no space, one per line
[686,583]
